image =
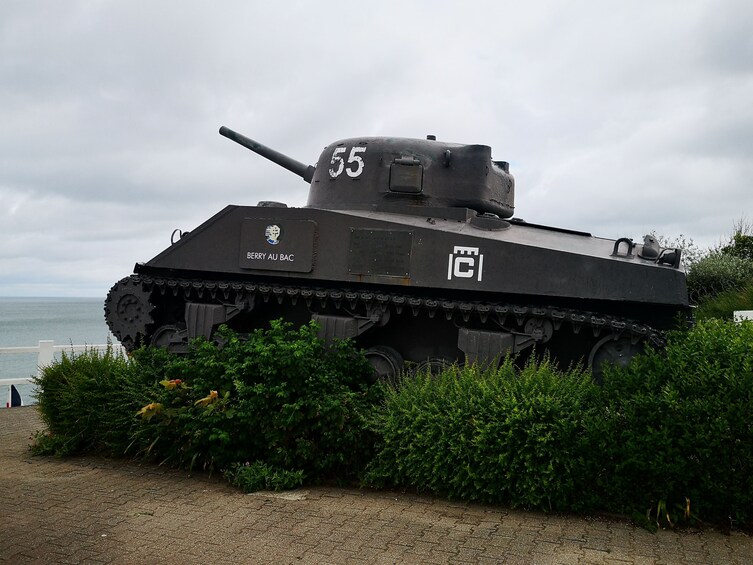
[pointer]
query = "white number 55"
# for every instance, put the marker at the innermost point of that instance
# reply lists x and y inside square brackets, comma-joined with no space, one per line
[354,160]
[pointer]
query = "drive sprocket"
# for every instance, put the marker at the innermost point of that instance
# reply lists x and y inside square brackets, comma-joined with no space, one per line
[128,312]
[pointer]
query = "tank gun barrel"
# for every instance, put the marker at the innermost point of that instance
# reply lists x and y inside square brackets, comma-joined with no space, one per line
[306,172]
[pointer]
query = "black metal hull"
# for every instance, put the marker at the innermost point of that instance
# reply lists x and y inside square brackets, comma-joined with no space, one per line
[437,285]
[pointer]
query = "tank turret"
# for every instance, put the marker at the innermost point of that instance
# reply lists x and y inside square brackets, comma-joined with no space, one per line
[376,173]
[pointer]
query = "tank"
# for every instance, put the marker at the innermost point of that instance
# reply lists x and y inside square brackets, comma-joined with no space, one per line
[408,247]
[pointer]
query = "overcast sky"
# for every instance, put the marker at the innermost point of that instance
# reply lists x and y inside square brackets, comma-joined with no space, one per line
[617,118]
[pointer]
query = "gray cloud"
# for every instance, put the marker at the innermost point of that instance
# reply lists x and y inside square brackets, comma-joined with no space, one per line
[618,119]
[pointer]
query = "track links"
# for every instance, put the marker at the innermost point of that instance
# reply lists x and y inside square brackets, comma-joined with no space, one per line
[235,291]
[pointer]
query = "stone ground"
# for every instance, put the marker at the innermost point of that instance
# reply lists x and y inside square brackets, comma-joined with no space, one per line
[96,510]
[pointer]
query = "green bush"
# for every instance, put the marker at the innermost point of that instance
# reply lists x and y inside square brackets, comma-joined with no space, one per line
[669,436]
[724,305]
[678,431]
[717,273]
[516,436]
[741,241]
[725,283]
[252,477]
[87,402]
[278,396]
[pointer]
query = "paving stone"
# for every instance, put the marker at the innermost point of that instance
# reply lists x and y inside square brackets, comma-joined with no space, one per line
[95,510]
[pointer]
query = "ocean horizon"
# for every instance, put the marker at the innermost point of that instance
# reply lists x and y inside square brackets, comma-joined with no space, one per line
[24,321]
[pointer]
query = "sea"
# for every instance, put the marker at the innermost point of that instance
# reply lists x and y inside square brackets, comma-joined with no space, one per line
[26,321]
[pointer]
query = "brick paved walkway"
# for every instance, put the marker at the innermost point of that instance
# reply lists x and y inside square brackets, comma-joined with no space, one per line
[94,510]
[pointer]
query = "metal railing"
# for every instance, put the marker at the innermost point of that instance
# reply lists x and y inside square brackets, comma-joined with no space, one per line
[45,356]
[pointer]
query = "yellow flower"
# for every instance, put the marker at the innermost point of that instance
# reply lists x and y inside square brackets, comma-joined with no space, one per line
[150,410]
[207,400]
[170,385]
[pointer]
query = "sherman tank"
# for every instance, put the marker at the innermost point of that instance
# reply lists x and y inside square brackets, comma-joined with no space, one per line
[408,247]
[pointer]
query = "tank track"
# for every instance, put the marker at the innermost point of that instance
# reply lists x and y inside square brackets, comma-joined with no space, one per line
[236,291]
